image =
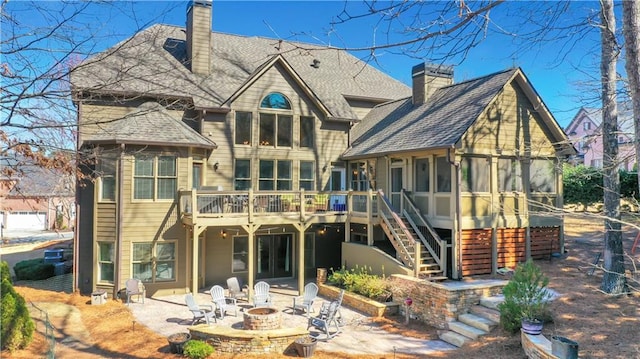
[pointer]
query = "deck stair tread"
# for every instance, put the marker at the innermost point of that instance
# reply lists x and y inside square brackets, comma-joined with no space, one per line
[466,330]
[454,338]
[488,313]
[476,321]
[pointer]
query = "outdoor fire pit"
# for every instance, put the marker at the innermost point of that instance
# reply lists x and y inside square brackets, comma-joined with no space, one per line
[263,318]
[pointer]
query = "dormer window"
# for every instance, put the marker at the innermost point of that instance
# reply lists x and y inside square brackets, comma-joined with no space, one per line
[275,100]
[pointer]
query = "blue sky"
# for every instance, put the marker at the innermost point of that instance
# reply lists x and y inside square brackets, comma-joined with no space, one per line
[554,68]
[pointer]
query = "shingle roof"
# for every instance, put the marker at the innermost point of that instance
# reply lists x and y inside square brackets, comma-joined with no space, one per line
[33,180]
[400,126]
[152,63]
[625,118]
[149,123]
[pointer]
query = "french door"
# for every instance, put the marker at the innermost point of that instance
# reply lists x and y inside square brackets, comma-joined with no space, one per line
[274,256]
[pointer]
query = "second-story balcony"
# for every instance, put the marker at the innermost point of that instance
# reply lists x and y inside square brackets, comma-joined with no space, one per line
[212,208]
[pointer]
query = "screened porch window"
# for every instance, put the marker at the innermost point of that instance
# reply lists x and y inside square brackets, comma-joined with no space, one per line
[475,174]
[509,175]
[443,175]
[422,174]
[542,176]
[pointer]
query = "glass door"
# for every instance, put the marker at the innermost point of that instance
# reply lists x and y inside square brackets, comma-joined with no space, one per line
[396,187]
[338,183]
[274,256]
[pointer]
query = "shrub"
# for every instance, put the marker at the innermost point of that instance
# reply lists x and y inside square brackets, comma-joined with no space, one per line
[33,269]
[360,281]
[525,296]
[197,349]
[16,325]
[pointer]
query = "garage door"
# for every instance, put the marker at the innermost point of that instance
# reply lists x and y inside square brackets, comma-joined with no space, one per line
[27,220]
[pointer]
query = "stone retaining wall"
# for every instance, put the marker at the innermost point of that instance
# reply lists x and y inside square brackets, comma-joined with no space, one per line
[238,341]
[358,302]
[439,303]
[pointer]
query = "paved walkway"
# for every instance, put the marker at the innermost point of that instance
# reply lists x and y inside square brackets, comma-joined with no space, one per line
[167,315]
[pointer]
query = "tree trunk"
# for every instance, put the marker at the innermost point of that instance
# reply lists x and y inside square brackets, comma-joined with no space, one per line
[631,31]
[613,281]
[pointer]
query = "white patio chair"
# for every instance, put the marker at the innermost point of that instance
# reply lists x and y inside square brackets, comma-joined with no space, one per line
[236,290]
[261,296]
[221,302]
[199,311]
[305,302]
[325,321]
[134,286]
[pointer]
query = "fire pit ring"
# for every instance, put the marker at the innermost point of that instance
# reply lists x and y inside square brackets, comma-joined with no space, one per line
[263,318]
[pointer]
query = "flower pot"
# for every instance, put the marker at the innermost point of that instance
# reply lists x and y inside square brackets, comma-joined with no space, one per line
[531,326]
[564,348]
[177,341]
[305,346]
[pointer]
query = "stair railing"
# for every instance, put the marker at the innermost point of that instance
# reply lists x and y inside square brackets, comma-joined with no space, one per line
[427,235]
[392,221]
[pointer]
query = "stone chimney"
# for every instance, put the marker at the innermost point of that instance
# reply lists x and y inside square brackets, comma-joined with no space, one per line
[199,36]
[427,78]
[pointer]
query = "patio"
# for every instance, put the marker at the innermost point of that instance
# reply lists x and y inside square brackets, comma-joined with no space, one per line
[169,314]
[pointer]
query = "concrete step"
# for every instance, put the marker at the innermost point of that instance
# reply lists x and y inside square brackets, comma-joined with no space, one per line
[454,338]
[492,302]
[466,330]
[482,311]
[434,278]
[476,321]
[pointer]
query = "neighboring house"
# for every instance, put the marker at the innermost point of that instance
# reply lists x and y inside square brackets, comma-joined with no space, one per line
[36,198]
[220,155]
[585,132]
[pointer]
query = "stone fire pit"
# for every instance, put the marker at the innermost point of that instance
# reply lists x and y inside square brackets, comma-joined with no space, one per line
[264,318]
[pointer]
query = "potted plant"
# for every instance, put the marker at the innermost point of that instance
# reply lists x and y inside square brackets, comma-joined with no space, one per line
[177,341]
[305,346]
[526,300]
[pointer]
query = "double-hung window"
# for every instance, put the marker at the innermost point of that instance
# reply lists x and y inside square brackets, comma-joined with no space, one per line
[154,177]
[307,175]
[275,175]
[242,175]
[275,130]
[105,262]
[107,173]
[154,262]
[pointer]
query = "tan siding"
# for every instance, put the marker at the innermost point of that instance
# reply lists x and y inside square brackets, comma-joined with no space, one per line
[330,137]
[218,259]
[475,206]
[509,124]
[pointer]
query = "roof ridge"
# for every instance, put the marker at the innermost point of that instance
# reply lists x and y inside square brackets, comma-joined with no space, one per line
[482,77]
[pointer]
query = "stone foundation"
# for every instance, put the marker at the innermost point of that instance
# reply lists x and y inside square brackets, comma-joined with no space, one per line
[230,340]
[439,303]
[358,302]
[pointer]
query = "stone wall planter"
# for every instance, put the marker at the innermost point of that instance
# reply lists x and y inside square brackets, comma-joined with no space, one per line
[359,302]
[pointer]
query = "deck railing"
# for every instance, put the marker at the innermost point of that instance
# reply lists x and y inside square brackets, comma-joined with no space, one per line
[428,236]
[209,203]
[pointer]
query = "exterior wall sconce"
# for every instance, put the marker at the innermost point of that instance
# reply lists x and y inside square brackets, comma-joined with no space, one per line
[215,166]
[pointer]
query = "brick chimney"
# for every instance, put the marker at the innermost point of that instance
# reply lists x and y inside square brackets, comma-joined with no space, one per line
[427,78]
[199,36]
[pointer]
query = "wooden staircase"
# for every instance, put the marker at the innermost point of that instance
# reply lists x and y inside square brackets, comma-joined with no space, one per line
[480,320]
[405,242]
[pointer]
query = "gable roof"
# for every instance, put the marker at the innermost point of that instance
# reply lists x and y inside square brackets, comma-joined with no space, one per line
[152,63]
[441,122]
[625,119]
[142,125]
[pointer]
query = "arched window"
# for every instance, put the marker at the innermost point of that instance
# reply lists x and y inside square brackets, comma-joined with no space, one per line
[275,100]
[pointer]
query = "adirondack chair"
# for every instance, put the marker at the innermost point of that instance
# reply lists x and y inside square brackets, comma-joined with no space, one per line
[199,311]
[222,303]
[134,286]
[305,301]
[237,291]
[325,321]
[261,296]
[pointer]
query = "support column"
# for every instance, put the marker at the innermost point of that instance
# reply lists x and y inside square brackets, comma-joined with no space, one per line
[251,275]
[194,259]
[301,265]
